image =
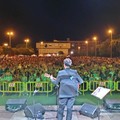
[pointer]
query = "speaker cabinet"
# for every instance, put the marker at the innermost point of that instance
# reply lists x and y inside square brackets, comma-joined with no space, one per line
[89,110]
[14,105]
[33,111]
[111,104]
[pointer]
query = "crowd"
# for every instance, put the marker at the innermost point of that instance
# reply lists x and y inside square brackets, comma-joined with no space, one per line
[29,68]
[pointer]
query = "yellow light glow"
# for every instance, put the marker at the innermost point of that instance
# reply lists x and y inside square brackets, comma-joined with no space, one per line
[27,40]
[41,42]
[86,42]
[94,38]
[78,47]
[109,31]
[5,44]
[10,33]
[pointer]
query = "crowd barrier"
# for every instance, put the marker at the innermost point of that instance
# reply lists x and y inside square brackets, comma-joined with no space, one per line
[84,87]
[25,87]
[40,87]
[118,86]
[11,87]
[47,87]
[107,84]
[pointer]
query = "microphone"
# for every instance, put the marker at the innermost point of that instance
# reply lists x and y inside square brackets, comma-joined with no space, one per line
[35,91]
[56,86]
[79,93]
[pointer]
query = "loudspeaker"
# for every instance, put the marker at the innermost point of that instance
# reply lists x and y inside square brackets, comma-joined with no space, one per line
[89,110]
[111,104]
[14,105]
[33,111]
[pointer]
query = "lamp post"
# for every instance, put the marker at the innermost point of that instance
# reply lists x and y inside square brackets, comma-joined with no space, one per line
[86,42]
[95,39]
[5,44]
[79,50]
[10,34]
[41,47]
[26,41]
[41,42]
[110,32]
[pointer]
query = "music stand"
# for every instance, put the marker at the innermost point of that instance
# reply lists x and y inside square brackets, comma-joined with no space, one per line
[100,92]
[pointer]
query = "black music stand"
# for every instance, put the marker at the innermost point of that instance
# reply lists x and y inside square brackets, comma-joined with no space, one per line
[100,92]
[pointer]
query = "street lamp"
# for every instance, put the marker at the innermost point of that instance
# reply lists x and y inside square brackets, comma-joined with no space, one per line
[72,52]
[41,42]
[110,32]
[5,44]
[26,41]
[78,49]
[10,34]
[41,47]
[86,42]
[95,39]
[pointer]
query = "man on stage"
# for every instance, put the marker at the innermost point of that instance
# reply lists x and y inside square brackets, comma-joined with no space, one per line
[68,81]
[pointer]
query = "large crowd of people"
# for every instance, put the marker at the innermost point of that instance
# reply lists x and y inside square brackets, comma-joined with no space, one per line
[32,68]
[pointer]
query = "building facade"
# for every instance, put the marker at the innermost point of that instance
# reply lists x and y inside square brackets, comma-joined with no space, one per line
[55,48]
[66,47]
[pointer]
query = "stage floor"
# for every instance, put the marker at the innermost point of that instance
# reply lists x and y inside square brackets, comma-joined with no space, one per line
[50,114]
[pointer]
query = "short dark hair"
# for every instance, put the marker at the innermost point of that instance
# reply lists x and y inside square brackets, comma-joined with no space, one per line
[67,61]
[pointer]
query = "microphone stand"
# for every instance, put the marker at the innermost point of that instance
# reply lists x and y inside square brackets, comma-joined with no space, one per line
[57,94]
[35,115]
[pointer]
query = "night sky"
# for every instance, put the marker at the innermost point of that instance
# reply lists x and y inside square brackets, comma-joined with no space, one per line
[58,19]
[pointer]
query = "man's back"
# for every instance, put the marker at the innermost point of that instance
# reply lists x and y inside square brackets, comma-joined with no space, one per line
[69,81]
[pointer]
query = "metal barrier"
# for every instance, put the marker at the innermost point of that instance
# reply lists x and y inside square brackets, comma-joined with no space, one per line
[118,85]
[47,86]
[111,85]
[107,84]
[84,87]
[41,87]
[93,85]
[12,87]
